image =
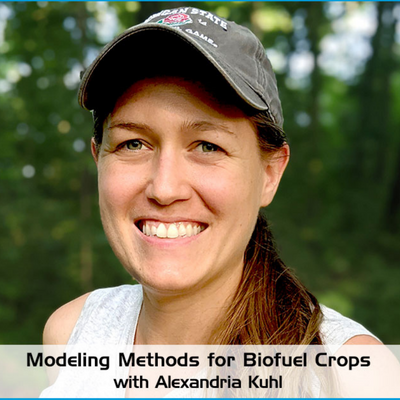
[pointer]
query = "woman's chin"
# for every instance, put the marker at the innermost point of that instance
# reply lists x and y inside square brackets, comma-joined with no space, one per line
[169,284]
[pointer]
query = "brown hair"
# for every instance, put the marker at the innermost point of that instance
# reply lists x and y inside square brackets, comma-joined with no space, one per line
[271,305]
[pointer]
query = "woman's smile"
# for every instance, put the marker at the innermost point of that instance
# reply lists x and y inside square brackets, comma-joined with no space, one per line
[170,230]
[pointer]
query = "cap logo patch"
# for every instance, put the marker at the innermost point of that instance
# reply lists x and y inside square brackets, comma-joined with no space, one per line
[176,20]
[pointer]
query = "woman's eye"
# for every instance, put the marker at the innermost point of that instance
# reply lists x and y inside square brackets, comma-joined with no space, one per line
[206,147]
[134,145]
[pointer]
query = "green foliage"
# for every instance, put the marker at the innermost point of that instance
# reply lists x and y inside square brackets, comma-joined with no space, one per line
[336,215]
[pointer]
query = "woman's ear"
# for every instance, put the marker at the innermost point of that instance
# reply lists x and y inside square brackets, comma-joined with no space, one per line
[95,150]
[274,166]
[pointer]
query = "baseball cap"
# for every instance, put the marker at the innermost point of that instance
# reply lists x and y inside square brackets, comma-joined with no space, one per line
[232,50]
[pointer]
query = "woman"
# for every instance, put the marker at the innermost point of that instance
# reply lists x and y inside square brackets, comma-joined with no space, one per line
[189,146]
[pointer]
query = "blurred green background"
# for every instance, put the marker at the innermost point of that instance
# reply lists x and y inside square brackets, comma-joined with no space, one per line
[336,216]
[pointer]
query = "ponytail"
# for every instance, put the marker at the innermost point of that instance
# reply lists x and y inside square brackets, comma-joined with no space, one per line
[271,305]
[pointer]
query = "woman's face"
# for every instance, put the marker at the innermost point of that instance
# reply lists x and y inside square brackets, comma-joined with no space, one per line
[181,181]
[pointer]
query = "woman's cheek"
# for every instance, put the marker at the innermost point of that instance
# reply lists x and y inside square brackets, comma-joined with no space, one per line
[219,188]
[118,185]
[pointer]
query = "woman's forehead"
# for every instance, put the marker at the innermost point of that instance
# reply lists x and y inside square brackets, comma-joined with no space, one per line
[186,89]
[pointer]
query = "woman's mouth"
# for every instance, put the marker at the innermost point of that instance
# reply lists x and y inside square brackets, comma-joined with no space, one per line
[170,230]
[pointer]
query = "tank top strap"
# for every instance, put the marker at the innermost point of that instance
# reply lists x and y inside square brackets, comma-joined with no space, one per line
[109,316]
[337,329]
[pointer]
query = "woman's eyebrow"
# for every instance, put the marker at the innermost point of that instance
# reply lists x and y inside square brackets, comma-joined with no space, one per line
[204,126]
[130,126]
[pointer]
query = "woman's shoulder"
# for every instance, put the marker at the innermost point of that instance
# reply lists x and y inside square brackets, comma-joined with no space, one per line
[59,326]
[363,339]
[336,329]
[101,302]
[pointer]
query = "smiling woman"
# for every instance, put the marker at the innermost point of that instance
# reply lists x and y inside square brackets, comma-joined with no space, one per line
[189,145]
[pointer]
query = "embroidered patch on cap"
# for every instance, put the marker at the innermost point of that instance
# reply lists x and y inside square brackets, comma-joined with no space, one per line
[176,20]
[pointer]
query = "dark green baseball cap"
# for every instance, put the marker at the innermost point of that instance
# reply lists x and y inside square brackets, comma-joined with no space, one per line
[231,49]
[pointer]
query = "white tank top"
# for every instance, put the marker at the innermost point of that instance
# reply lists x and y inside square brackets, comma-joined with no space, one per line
[109,317]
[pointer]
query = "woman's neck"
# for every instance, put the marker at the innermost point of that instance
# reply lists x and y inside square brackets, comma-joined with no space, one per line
[189,318]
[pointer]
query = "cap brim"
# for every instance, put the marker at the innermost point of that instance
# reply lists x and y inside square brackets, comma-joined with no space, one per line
[97,77]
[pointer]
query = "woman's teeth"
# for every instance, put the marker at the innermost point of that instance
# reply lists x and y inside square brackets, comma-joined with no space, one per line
[171,231]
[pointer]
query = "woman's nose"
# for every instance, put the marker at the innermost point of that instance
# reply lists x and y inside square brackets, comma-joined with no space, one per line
[168,181]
